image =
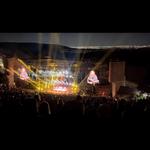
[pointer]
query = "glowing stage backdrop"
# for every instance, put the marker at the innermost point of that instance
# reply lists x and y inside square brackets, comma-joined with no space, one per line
[58,80]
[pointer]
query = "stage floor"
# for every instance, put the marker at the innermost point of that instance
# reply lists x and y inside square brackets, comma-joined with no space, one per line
[102,91]
[63,94]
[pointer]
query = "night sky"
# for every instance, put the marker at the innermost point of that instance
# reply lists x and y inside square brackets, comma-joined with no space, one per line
[80,39]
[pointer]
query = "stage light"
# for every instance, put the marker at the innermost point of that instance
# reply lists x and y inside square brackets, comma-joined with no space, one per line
[75,88]
[60,88]
[145,95]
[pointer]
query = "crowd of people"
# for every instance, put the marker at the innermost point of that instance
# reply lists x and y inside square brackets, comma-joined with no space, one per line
[22,104]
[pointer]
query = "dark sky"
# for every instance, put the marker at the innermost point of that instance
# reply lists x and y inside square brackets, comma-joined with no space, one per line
[80,39]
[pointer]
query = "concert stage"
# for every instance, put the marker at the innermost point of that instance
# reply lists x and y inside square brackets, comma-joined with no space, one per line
[101,91]
[57,77]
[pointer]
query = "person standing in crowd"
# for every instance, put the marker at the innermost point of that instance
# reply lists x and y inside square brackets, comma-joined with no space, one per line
[44,108]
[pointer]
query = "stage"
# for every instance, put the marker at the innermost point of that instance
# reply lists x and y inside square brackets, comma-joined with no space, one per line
[57,77]
[101,91]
